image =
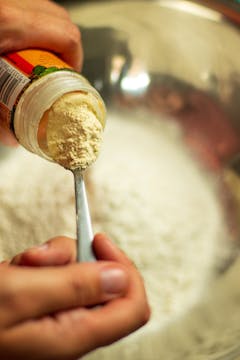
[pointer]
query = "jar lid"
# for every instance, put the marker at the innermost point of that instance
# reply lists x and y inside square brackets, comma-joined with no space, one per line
[40,96]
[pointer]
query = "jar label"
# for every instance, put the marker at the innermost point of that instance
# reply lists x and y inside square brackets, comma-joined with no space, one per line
[17,71]
[28,60]
[12,82]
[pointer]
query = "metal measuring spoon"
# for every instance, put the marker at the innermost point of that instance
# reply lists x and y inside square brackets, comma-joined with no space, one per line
[84,226]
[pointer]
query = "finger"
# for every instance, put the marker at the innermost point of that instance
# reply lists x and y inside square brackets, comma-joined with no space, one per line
[4,263]
[28,30]
[31,293]
[73,333]
[105,249]
[48,7]
[62,250]
[6,137]
[45,6]
[61,36]
[57,251]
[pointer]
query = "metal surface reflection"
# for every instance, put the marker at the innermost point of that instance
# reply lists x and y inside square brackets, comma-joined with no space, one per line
[177,58]
[173,48]
[169,57]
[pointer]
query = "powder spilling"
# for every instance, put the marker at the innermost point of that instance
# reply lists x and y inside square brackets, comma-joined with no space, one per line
[162,208]
[74,133]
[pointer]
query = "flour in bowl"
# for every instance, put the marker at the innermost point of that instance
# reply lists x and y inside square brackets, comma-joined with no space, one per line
[161,207]
[150,195]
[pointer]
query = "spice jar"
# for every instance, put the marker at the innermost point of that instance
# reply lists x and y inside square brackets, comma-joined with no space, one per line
[31,81]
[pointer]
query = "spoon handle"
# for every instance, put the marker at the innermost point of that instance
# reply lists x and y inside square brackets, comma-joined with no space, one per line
[84,227]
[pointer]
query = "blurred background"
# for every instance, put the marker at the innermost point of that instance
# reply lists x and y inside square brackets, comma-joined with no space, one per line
[170,69]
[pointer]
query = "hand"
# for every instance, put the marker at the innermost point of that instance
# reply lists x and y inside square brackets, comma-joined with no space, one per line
[6,136]
[41,24]
[47,312]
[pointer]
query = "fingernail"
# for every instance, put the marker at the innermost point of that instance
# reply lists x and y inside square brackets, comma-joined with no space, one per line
[114,281]
[42,247]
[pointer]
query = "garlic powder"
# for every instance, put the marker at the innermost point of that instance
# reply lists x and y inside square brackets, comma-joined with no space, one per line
[74,133]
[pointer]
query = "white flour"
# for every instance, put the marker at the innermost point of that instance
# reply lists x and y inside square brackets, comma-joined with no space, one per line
[148,193]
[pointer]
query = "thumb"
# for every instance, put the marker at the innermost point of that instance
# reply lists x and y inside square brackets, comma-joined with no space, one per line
[6,136]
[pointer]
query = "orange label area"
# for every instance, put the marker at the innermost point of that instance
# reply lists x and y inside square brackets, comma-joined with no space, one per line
[17,70]
[26,60]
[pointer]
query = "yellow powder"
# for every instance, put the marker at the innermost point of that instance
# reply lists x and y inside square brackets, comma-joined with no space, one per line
[74,133]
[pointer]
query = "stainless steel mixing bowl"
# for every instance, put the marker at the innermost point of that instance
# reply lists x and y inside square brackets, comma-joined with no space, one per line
[180,58]
[168,56]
